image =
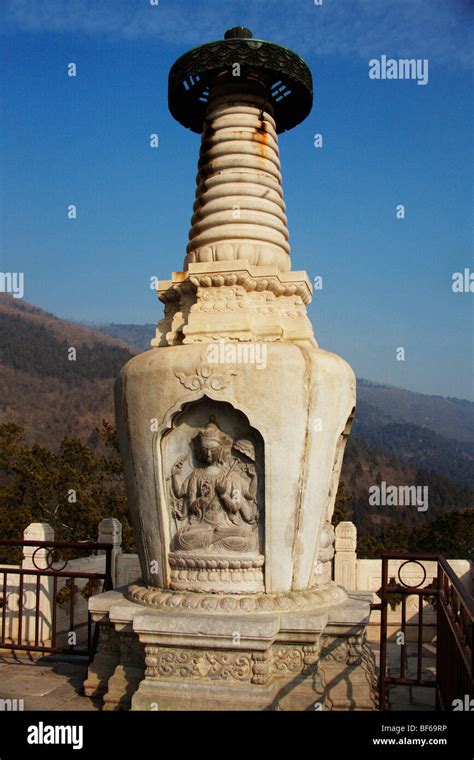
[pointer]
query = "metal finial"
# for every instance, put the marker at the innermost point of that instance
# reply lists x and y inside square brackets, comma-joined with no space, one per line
[238,32]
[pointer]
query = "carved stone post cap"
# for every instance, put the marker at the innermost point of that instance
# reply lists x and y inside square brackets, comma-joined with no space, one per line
[39,530]
[110,530]
[346,536]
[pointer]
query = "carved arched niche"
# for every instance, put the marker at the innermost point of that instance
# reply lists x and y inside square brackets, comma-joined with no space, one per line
[213,467]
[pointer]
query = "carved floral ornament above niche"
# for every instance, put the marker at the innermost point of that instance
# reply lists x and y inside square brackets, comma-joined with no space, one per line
[215,378]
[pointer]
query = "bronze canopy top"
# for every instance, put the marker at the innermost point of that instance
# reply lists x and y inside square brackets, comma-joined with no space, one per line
[286,77]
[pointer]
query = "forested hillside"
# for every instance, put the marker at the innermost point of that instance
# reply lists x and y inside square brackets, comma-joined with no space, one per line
[52,408]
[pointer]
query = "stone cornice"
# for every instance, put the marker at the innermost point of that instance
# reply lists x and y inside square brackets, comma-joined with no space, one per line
[232,273]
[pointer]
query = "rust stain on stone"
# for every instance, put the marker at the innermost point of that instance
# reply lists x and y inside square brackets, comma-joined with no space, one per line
[206,170]
[262,135]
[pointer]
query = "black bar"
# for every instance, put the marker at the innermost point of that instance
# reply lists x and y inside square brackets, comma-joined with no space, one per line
[48,571]
[20,610]
[456,583]
[56,544]
[466,655]
[409,591]
[71,606]
[402,649]
[431,557]
[439,679]
[89,630]
[108,582]
[420,638]
[37,612]
[410,681]
[4,605]
[95,641]
[55,602]
[383,636]
[51,650]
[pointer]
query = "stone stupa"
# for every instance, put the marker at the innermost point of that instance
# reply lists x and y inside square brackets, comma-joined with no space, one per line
[232,430]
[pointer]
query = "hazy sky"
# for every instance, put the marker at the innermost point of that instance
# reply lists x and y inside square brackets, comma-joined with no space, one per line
[387,282]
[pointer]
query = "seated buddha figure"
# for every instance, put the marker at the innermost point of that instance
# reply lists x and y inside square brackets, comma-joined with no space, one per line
[217,500]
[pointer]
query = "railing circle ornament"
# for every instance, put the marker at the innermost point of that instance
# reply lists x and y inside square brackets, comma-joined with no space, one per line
[411,585]
[47,560]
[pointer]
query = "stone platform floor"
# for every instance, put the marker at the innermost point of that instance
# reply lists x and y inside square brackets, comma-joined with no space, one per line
[413,698]
[54,682]
[45,682]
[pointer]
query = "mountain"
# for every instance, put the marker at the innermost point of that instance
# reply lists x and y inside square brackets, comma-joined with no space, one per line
[417,444]
[365,465]
[137,336]
[54,392]
[56,376]
[451,418]
[428,431]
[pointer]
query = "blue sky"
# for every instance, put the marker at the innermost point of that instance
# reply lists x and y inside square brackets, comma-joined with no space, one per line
[85,140]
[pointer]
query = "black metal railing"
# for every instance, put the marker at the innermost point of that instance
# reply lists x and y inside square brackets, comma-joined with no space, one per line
[454,678]
[15,638]
[455,641]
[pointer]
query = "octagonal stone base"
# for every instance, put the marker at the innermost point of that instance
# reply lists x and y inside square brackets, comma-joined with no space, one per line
[307,658]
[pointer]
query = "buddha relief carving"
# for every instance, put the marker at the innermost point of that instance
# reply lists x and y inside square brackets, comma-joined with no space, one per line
[215,504]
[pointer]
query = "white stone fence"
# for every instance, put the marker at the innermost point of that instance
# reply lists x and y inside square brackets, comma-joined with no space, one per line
[125,569]
[351,572]
[366,575]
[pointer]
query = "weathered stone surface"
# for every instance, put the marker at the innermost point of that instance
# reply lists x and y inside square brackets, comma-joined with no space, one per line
[233,603]
[43,683]
[107,655]
[232,430]
[239,211]
[127,675]
[269,661]
[302,390]
[233,427]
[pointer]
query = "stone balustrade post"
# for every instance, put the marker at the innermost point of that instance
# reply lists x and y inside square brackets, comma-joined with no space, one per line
[110,532]
[37,558]
[345,559]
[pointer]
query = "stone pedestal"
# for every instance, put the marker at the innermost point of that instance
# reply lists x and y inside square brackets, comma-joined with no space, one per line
[296,653]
